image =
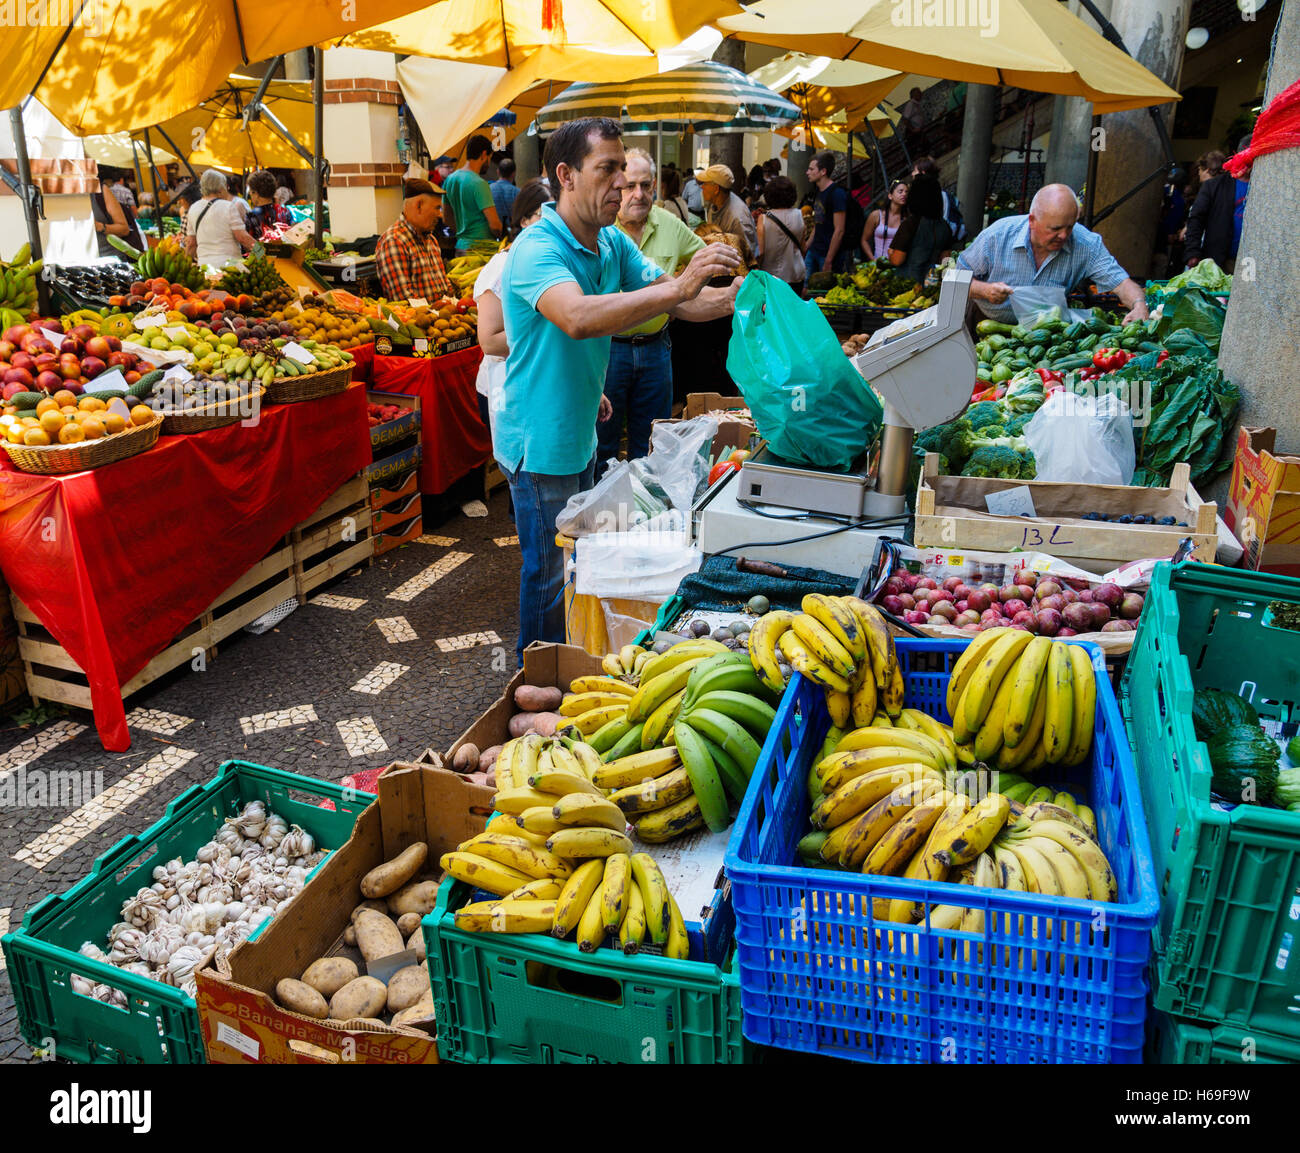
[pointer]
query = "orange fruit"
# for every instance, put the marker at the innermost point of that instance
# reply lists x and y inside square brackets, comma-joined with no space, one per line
[48,404]
[142,414]
[52,420]
[93,428]
[72,433]
[14,434]
[114,422]
[64,397]
[91,404]
[36,437]
[30,422]
[69,410]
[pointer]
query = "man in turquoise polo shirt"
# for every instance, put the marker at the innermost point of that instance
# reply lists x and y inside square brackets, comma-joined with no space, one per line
[571,283]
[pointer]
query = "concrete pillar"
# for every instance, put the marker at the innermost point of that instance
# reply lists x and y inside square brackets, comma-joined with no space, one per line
[973,161]
[361,101]
[297,65]
[1154,32]
[528,157]
[728,147]
[1067,147]
[1262,329]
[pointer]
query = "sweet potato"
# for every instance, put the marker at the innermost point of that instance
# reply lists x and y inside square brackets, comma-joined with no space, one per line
[408,987]
[408,923]
[543,724]
[488,757]
[300,997]
[392,875]
[537,699]
[377,936]
[364,997]
[417,1016]
[465,759]
[416,941]
[329,974]
[417,897]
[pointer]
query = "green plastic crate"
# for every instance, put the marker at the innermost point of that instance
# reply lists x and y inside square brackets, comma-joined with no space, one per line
[531,999]
[1227,943]
[669,611]
[161,1023]
[1173,1041]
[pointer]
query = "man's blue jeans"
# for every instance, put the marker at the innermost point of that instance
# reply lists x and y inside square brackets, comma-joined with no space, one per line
[639,384]
[816,261]
[538,499]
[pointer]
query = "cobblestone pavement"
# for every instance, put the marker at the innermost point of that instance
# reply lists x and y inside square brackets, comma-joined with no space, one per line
[378,666]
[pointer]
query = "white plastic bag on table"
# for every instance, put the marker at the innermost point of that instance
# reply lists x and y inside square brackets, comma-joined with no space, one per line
[1083,440]
[633,565]
[617,501]
[679,456]
[1029,300]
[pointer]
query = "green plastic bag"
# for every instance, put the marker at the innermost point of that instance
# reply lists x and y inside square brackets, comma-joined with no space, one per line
[810,404]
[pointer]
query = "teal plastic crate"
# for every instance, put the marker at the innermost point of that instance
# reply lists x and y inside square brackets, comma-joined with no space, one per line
[161,1023]
[1174,1041]
[669,611]
[1227,942]
[530,999]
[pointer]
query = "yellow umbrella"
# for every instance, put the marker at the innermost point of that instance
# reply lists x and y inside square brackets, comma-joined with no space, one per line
[124,64]
[120,150]
[823,87]
[1034,44]
[214,134]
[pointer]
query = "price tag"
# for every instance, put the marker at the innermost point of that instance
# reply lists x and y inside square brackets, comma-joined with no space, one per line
[55,337]
[236,1040]
[296,352]
[392,323]
[418,302]
[153,319]
[421,344]
[174,332]
[304,291]
[1011,502]
[177,374]
[105,381]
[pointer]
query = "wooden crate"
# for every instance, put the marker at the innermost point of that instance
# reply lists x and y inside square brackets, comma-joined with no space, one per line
[950,514]
[315,551]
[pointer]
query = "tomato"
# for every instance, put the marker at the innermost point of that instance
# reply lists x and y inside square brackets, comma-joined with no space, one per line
[722,468]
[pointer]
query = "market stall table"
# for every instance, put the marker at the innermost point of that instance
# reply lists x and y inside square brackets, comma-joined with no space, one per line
[454,439]
[116,561]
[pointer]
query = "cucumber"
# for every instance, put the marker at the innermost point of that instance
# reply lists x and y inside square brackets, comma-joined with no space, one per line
[111,394]
[144,386]
[25,400]
[25,412]
[1074,360]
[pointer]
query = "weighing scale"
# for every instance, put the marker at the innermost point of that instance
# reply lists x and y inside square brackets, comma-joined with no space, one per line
[923,368]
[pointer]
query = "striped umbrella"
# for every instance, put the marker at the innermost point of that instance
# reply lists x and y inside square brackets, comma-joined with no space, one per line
[707,96]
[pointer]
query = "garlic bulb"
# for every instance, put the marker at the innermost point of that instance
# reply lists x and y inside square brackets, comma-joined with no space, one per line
[82,986]
[143,909]
[252,820]
[183,962]
[229,836]
[139,968]
[93,951]
[275,830]
[297,843]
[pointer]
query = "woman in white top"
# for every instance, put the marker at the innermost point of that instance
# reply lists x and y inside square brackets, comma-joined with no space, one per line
[527,210]
[781,232]
[214,230]
[881,225]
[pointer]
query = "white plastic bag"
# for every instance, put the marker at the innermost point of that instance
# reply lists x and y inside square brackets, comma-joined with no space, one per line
[1082,440]
[633,565]
[1029,300]
[679,456]
[617,501]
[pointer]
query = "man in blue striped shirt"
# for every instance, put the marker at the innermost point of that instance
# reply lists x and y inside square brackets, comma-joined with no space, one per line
[1047,248]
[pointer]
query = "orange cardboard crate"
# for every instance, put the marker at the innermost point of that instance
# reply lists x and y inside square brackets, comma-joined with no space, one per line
[387,492]
[396,513]
[1264,503]
[399,535]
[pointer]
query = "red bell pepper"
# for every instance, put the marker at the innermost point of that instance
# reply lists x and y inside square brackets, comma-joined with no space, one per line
[1110,359]
[990,393]
[1089,373]
[1050,376]
[1164,355]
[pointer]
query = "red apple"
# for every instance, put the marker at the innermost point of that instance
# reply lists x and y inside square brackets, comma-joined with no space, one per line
[990,617]
[1066,631]
[891,604]
[49,381]
[12,388]
[117,358]
[1014,607]
[92,366]
[83,332]
[98,346]
[961,592]
[15,334]
[45,360]
[927,583]
[7,349]
[18,376]
[907,600]
[70,369]
[73,345]
[951,584]
[1049,622]
[944,610]
[1026,592]
[114,344]
[1008,593]
[963,605]
[1026,576]
[980,600]
[1046,589]
[1026,618]
[35,344]
[23,360]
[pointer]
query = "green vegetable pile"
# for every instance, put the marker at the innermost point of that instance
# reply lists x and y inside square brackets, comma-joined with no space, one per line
[873,285]
[986,440]
[1055,343]
[1243,758]
[1207,275]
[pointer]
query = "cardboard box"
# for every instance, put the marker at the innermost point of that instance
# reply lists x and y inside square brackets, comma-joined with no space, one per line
[396,512]
[391,431]
[390,468]
[951,515]
[401,533]
[397,489]
[1264,503]
[732,433]
[238,1015]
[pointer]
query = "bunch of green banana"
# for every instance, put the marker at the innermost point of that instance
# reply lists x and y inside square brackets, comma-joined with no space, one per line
[170,261]
[1023,701]
[257,276]
[18,283]
[1020,790]
[840,643]
[559,860]
[463,270]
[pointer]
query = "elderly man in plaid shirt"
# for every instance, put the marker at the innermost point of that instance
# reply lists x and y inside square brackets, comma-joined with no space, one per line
[1047,248]
[407,256]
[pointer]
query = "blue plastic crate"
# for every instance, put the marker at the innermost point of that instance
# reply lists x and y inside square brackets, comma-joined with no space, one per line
[819,973]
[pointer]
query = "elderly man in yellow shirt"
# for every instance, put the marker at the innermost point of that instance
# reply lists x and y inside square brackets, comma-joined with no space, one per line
[639,380]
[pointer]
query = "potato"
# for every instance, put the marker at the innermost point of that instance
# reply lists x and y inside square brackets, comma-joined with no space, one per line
[377,936]
[415,1015]
[543,724]
[535,699]
[377,905]
[350,936]
[466,758]
[300,997]
[364,997]
[488,757]
[392,875]
[408,923]
[408,987]
[416,941]
[329,974]
[417,897]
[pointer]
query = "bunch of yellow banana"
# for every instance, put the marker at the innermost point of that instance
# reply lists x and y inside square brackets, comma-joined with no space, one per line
[627,662]
[840,643]
[1022,701]
[18,282]
[464,270]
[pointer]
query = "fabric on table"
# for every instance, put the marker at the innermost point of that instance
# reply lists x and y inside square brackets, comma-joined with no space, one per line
[116,561]
[720,586]
[453,435]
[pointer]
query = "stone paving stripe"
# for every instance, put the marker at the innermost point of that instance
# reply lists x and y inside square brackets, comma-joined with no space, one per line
[4,928]
[361,736]
[380,677]
[442,541]
[396,630]
[468,641]
[77,826]
[278,719]
[412,588]
[27,751]
[331,601]
[157,721]
[506,541]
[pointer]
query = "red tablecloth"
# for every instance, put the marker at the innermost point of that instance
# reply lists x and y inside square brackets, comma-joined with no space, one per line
[117,560]
[454,438]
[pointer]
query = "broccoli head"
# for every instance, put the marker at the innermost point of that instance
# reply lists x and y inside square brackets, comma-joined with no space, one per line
[1015,426]
[931,439]
[1028,465]
[995,460]
[984,413]
[958,441]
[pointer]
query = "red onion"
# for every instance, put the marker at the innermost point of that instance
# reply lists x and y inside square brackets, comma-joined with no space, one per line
[1108,594]
[1130,608]
[1049,621]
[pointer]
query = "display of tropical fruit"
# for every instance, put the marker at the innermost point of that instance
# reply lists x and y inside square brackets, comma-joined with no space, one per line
[558,859]
[168,260]
[18,284]
[463,270]
[257,276]
[63,418]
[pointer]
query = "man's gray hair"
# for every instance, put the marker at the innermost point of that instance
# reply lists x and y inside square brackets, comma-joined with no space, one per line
[642,154]
[213,183]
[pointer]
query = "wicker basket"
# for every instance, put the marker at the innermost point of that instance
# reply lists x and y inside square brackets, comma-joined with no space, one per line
[202,419]
[57,459]
[290,389]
